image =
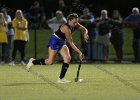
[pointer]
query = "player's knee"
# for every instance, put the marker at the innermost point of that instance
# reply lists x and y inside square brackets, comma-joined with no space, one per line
[49,62]
[67,59]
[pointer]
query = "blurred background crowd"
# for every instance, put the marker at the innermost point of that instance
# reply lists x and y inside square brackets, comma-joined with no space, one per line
[105,23]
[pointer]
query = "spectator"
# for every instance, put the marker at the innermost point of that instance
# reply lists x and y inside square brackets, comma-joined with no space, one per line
[62,7]
[86,20]
[134,21]
[102,39]
[20,26]
[117,34]
[77,7]
[56,21]
[10,33]
[3,37]
[36,14]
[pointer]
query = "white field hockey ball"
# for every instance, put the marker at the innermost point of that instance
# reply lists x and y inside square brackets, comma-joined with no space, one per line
[81,80]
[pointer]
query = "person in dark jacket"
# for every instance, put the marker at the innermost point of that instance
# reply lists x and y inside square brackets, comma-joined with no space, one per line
[134,21]
[117,34]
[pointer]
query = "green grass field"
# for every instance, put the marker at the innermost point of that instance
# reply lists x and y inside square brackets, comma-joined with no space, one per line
[101,82]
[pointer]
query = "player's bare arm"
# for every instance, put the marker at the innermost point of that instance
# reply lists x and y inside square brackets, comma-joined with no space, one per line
[84,30]
[67,33]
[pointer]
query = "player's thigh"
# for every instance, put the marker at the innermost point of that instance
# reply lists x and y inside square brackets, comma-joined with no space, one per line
[64,51]
[52,54]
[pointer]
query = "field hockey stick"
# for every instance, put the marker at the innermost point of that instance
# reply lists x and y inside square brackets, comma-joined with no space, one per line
[79,67]
[77,75]
[78,71]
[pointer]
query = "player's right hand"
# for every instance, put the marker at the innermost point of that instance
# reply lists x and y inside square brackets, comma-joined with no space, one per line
[81,56]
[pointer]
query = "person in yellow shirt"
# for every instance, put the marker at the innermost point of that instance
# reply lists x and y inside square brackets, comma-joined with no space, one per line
[20,25]
[3,36]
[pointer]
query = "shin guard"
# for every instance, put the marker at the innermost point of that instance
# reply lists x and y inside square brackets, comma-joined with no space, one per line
[64,69]
[39,62]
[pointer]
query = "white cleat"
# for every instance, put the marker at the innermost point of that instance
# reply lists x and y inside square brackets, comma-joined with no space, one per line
[2,62]
[30,63]
[63,81]
[12,63]
[22,63]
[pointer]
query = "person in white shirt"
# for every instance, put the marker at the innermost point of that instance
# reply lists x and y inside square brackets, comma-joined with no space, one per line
[10,33]
[56,21]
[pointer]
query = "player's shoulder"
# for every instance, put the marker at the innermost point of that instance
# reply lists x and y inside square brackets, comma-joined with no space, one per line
[64,26]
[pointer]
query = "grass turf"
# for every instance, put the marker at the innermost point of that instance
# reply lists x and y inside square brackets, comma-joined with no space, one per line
[101,82]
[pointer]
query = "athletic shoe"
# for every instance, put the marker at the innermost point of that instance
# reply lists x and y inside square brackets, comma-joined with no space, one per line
[12,63]
[22,63]
[63,81]
[30,63]
[2,62]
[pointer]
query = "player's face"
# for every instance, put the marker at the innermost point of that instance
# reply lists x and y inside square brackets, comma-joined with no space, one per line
[74,22]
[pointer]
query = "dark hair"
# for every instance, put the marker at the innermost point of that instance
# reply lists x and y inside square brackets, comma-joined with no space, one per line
[72,16]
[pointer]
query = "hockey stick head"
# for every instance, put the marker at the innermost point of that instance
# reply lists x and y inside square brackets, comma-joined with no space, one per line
[76,79]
